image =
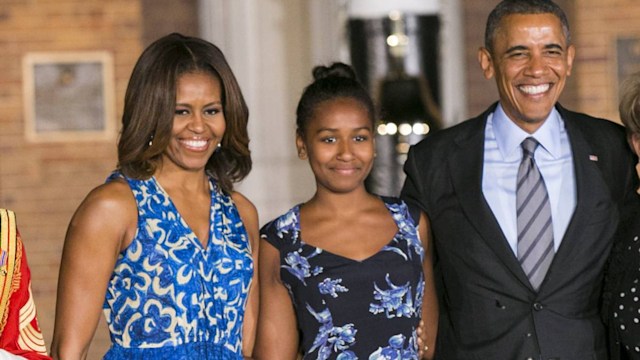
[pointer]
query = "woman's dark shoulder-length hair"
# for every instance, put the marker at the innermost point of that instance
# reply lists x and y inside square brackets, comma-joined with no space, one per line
[149,108]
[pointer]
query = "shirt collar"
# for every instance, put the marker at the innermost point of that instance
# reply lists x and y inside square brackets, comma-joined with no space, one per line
[509,135]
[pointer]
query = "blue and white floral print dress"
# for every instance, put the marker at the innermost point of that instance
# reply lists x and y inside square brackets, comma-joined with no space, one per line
[168,296]
[349,309]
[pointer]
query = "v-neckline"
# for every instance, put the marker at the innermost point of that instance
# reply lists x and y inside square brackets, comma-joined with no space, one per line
[190,234]
[361,261]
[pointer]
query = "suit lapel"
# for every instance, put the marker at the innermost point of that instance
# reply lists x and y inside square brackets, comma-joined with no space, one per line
[589,185]
[465,164]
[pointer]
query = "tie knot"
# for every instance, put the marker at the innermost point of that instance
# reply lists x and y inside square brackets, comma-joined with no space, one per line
[529,145]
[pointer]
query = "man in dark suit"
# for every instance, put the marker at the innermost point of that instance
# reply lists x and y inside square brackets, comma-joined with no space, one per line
[523,202]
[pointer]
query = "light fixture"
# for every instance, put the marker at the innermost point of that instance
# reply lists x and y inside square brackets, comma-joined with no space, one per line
[382,129]
[392,128]
[405,129]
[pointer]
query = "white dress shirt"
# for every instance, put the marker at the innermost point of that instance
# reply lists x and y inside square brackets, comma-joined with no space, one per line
[502,156]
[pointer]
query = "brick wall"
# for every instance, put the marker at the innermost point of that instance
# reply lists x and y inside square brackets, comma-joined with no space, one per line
[44,182]
[162,17]
[480,92]
[598,24]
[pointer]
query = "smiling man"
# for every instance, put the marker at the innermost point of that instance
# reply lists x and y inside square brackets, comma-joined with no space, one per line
[523,202]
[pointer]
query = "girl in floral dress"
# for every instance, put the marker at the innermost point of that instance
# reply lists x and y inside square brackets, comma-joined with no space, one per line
[347,274]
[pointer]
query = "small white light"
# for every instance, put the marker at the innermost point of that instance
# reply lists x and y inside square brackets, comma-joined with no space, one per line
[392,129]
[403,40]
[382,129]
[395,15]
[393,40]
[421,128]
[405,129]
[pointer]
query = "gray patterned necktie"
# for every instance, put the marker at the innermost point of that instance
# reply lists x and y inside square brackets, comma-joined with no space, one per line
[535,230]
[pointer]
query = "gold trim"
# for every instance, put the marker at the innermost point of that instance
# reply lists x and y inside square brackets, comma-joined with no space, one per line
[8,244]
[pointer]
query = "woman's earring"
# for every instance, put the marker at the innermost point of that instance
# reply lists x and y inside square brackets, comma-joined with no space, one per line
[151,141]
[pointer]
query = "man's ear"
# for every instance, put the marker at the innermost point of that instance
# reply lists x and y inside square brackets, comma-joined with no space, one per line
[302,149]
[486,63]
[571,54]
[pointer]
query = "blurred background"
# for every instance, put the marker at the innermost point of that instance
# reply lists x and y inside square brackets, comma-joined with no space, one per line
[417,57]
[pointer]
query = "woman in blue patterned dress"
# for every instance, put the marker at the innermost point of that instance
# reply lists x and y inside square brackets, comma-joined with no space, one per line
[348,274]
[166,247]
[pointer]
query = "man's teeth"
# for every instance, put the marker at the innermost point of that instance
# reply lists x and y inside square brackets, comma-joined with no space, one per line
[534,90]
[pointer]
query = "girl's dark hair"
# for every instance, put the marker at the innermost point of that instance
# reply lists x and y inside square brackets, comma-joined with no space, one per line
[150,101]
[332,82]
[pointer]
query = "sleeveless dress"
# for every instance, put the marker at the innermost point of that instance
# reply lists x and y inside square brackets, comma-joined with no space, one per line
[349,309]
[168,296]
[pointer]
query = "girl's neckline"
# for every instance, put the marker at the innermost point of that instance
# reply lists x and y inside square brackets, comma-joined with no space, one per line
[365,259]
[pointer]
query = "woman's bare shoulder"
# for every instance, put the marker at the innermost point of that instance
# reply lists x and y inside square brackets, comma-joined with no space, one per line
[112,202]
[112,195]
[244,205]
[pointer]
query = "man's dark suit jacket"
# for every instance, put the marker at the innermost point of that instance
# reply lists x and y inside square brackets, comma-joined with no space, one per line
[488,308]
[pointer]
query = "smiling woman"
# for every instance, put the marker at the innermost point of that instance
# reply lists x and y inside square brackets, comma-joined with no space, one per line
[154,244]
[349,269]
[339,147]
[198,122]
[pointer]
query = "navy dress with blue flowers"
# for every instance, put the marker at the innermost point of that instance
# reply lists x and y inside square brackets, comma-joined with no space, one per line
[349,309]
[171,298]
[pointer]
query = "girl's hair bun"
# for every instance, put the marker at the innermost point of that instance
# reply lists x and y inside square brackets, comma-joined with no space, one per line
[334,70]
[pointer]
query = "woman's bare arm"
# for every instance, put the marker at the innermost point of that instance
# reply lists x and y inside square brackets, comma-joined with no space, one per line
[249,217]
[277,331]
[102,226]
